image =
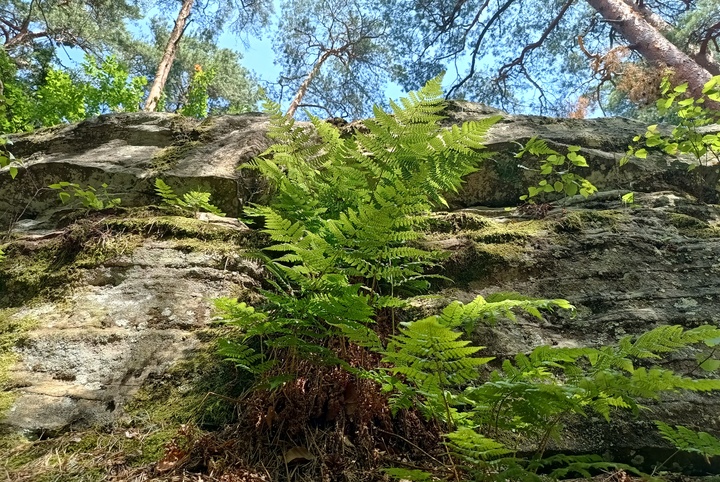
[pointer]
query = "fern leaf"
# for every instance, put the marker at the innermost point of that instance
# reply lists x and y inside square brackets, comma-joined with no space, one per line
[690,441]
[474,448]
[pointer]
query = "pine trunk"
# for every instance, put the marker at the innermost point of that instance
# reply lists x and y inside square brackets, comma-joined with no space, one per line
[302,90]
[649,42]
[168,56]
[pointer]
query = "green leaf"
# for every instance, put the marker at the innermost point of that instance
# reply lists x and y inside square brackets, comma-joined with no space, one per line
[710,365]
[64,197]
[13,172]
[577,159]
[641,153]
[571,189]
[628,198]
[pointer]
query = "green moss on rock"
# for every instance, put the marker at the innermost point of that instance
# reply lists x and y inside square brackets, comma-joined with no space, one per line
[168,157]
[579,220]
[12,332]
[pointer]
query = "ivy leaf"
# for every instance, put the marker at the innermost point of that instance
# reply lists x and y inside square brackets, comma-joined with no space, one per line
[641,153]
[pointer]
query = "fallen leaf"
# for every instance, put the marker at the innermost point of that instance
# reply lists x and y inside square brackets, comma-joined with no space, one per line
[298,453]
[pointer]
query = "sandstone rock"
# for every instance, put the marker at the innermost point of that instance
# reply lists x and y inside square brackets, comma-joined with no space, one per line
[121,296]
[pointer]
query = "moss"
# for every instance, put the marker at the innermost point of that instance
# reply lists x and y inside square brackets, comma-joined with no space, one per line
[87,456]
[508,232]
[693,227]
[182,227]
[197,391]
[455,222]
[200,390]
[168,157]
[579,220]
[12,332]
[46,269]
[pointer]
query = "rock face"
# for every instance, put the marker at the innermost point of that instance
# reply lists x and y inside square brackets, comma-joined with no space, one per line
[128,151]
[117,297]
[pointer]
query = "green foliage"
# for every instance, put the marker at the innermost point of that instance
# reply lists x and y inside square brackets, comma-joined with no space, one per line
[59,100]
[533,394]
[429,357]
[689,136]
[15,100]
[197,95]
[191,202]
[556,168]
[65,96]
[110,88]
[87,198]
[7,159]
[690,441]
[343,218]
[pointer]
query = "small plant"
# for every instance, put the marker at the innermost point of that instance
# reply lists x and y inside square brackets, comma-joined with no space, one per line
[558,171]
[688,136]
[110,87]
[197,93]
[7,158]
[88,197]
[192,202]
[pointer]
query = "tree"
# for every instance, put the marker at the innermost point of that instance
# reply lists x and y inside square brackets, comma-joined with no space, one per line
[632,23]
[534,54]
[331,55]
[233,89]
[36,25]
[168,56]
[212,16]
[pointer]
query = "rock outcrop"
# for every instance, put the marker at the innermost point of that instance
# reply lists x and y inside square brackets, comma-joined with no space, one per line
[109,301]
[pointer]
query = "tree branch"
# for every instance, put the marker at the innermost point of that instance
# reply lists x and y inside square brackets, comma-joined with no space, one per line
[495,17]
[519,60]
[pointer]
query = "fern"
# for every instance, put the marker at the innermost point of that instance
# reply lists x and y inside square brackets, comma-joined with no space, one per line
[192,201]
[431,359]
[500,305]
[244,357]
[690,441]
[474,448]
[343,218]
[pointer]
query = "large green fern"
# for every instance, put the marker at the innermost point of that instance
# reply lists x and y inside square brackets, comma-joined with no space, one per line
[343,217]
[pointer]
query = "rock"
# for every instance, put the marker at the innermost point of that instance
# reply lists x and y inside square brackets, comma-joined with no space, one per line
[127,318]
[128,151]
[626,270]
[110,301]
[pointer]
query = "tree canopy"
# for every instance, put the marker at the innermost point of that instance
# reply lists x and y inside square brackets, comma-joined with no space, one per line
[336,57]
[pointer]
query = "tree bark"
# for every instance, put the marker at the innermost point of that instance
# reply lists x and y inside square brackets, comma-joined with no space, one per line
[698,53]
[168,56]
[650,43]
[302,90]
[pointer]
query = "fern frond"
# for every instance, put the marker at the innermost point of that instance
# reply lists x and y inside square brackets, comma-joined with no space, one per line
[430,355]
[474,448]
[243,356]
[690,441]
